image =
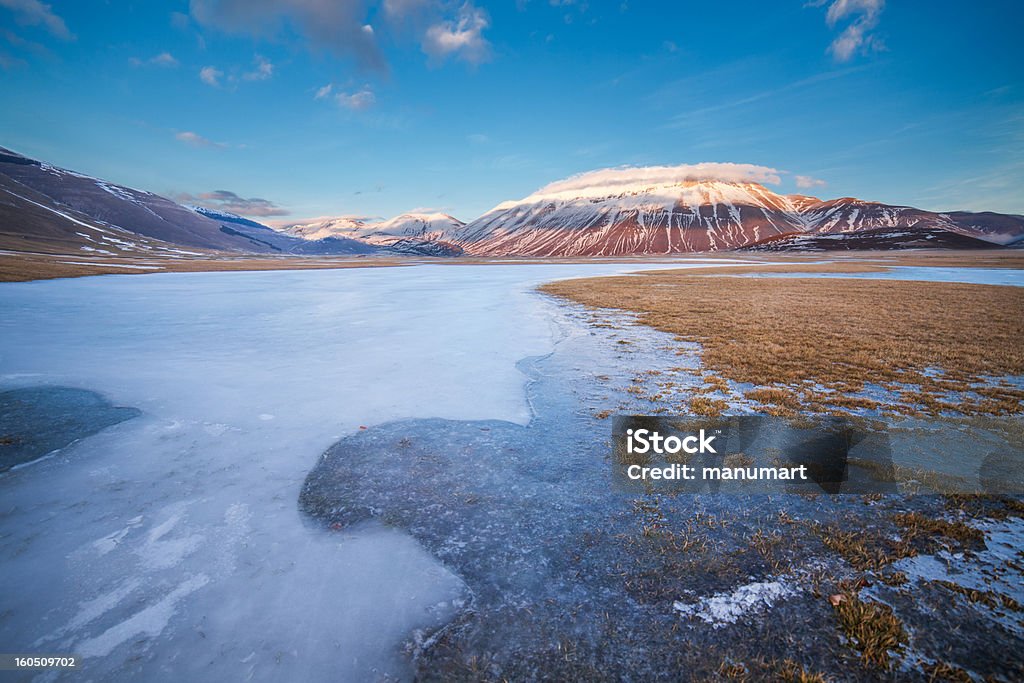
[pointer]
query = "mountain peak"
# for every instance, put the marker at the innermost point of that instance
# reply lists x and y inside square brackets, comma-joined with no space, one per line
[679,209]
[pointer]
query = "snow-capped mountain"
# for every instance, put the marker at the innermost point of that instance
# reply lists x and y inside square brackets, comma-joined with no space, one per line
[344,226]
[410,233]
[673,209]
[426,226]
[418,226]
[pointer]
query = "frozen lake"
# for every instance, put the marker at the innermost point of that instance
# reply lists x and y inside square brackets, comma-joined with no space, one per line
[975,276]
[172,541]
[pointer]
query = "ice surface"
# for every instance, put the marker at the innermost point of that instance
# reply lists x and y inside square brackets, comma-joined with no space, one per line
[978,276]
[172,542]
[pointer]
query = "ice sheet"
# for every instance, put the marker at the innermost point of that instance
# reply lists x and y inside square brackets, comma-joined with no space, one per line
[172,542]
[978,276]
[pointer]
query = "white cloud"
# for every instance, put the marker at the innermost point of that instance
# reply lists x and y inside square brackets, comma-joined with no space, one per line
[478,138]
[264,70]
[36,13]
[337,26]
[858,36]
[211,76]
[197,140]
[226,200]
[462,38]
[399,9]
[806,182]
[164,59]
[628,178]
[359,100]
[442,27]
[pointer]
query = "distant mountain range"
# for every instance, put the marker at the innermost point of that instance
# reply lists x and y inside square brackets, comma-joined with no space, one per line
[409,230]
[47,209]
[613,212]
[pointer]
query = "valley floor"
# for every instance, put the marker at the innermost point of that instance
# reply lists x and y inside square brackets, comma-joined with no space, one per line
[20,266]
[375,473]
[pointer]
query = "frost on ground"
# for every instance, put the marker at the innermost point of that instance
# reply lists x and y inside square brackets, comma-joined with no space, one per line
[727,608]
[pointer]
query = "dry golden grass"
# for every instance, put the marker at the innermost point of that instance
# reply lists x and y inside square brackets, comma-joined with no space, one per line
[985,506]
[944,671]
[916,525]
[792,334]
[865,551]
[24,266]
[708,407]
[990,599]
[872,629]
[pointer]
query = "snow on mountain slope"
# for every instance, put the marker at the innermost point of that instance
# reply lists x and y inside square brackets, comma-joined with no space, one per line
[283,242]
[878,239]
[138,212]
[344,226]
[31,221]
[422,226]
[658,210]
[418,234]
[427,226]
[702,207]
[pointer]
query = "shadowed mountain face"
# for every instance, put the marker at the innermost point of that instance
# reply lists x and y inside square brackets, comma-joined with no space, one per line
[879,239]
[705,215]
[110,207]
[31,221]
[52,210]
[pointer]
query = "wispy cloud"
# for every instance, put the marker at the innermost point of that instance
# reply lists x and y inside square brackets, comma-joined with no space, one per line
[36,13]
[338,26]
[683,119]
[179,20]
[164,59]
[356,100]
[196,140]
[324,91]
[859,34]
[225,200]
[806,182]
[462,38]
[444,28]
[400,9]
[264,70]
[211,76]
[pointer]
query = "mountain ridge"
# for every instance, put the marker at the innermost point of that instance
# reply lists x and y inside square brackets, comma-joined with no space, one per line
[617,212]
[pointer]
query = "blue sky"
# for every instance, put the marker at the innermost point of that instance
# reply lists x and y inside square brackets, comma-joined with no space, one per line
[349,107]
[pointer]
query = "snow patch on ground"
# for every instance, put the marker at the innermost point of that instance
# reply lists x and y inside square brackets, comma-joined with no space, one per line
[722,609]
